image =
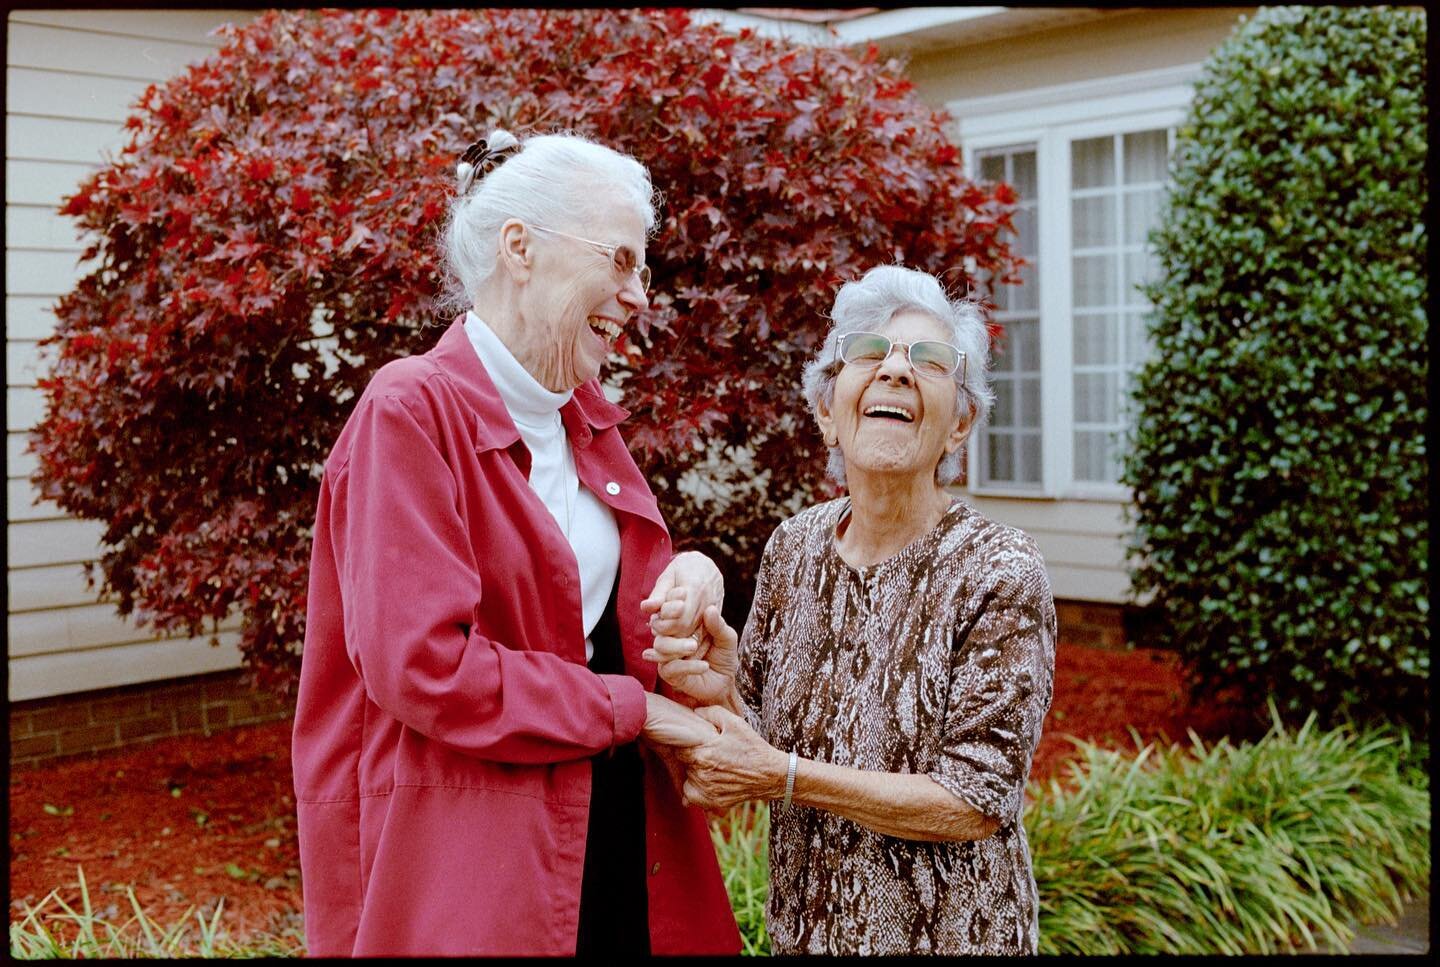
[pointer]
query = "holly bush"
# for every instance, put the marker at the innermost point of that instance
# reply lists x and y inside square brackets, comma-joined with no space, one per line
[269,237]
[1278,460]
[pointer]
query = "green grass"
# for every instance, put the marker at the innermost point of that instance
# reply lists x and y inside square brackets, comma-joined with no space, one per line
[1280,845]
[745,862]
[55,930]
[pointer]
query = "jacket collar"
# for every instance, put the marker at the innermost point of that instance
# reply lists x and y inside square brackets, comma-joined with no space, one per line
[586,413]
[589,412]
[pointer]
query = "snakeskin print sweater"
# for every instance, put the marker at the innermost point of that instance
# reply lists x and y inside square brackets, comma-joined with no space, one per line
[937,661]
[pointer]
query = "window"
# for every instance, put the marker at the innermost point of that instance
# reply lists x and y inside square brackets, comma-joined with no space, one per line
[1089,163]
[1010,447]
[1117,183]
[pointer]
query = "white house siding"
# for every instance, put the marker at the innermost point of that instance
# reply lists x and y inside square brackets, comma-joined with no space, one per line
[71,78]
[1121,43]
[1083,540]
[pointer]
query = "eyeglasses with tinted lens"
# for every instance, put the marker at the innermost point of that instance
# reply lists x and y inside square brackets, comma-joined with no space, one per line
[622,257]
[928,357]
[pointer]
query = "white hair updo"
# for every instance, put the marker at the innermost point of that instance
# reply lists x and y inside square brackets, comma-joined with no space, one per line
[869,304]
[546,179]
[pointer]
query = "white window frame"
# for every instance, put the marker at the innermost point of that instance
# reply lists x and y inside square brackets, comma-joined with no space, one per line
[1050,118]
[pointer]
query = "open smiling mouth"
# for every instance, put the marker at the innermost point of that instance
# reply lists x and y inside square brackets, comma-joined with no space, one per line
[605,327]
[884,411]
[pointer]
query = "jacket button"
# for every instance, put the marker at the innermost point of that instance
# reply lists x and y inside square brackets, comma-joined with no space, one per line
[612,488]
[655,869]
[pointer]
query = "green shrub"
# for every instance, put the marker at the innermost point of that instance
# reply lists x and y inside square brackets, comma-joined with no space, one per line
[1267,847]
[1278,460]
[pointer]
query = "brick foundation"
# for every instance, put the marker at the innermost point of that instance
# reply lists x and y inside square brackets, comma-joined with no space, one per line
[1116,626]
[1091,624]
[110,718]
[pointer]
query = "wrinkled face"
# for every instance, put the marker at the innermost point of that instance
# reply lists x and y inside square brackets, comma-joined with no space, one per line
[576,303]
[888,419]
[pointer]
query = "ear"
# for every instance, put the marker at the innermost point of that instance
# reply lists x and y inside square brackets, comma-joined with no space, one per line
[826,421]
[514,250]
[961,430]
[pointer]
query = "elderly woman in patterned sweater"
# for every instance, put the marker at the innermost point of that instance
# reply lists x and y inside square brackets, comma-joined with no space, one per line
[897,663]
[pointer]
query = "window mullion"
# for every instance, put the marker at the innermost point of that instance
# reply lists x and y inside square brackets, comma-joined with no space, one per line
[1118,314]
[1056,327]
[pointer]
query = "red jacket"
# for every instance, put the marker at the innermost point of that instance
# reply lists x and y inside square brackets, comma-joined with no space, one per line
[446,717]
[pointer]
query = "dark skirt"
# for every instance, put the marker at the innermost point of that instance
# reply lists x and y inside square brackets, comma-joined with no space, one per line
[614,905]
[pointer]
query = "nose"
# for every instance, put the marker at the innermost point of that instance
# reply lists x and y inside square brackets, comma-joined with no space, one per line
[632,294]
[896,367]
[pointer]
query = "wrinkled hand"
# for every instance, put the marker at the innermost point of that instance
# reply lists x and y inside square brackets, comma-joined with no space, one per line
[668,723]
[701,667]
[689,584]
[734,766]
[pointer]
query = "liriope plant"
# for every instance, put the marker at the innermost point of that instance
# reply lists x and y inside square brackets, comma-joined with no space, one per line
[1276,846]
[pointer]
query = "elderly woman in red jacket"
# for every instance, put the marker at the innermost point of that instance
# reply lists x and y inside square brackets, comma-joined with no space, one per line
[467,769]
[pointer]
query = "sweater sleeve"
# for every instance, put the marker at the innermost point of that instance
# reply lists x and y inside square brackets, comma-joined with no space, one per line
[410,587]
[1002,670]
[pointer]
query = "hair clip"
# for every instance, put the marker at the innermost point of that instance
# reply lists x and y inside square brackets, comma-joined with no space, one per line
[479,160]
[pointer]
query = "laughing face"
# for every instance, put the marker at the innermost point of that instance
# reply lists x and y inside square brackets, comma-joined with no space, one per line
[576,303]
[888,419]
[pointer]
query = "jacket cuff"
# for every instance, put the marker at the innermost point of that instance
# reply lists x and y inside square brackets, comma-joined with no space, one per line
[627,703]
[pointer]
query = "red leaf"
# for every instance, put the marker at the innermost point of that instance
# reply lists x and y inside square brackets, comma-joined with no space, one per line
[76,204]
[259,169]
[358,234]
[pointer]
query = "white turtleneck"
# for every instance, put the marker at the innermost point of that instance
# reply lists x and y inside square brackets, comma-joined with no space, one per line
[587,523]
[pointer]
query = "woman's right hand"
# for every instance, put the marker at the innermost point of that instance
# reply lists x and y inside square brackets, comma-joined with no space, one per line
[703,667]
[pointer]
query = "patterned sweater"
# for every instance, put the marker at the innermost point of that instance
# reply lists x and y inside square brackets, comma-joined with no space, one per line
[937,661]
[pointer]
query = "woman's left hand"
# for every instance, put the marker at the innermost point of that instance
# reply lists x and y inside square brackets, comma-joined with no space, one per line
[689,584]
[734,766]
[668,723]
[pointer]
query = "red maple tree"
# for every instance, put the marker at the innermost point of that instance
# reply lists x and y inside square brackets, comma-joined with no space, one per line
[268,238]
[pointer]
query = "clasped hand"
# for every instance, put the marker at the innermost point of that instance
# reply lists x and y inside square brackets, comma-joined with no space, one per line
[694,648]
[689,584]
[716,759]
[700,667]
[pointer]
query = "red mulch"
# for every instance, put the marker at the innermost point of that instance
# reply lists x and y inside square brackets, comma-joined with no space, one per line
[184,821]
[1101,694]
[229,831]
